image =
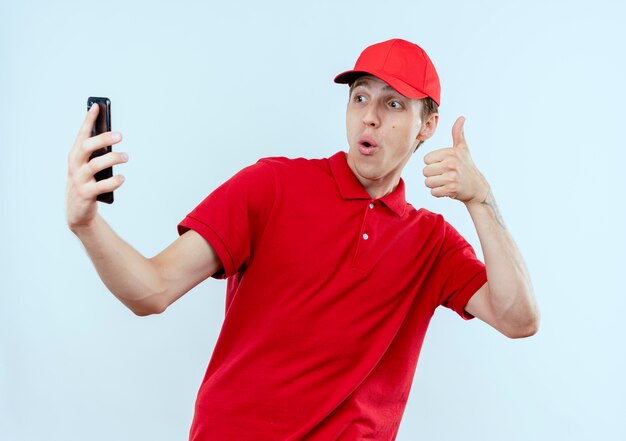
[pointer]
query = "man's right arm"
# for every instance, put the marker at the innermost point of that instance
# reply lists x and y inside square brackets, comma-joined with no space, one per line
[146,286]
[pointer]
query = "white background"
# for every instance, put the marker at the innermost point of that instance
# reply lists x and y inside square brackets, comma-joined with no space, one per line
[201,89]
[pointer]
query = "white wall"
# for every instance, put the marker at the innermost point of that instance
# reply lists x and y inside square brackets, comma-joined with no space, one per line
[200,89]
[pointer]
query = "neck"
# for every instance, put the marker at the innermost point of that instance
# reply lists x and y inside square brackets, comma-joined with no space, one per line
[378,188]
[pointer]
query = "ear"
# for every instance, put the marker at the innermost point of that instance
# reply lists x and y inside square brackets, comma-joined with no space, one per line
[428,127]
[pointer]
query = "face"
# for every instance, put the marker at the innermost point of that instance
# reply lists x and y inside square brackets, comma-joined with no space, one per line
[383,129]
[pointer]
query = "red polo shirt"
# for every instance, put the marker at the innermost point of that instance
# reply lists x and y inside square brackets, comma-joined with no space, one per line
[329,296]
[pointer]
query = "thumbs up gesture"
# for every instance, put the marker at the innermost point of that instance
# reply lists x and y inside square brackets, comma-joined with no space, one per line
[451,172]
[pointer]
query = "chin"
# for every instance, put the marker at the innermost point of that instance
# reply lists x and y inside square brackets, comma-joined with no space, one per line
[368,171]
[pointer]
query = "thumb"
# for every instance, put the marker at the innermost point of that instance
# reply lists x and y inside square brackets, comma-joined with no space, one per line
[458,136]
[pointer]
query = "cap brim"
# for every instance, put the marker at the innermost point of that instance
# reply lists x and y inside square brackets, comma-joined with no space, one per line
[400,86]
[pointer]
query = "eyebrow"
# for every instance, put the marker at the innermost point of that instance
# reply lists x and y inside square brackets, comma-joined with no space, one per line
[364,82]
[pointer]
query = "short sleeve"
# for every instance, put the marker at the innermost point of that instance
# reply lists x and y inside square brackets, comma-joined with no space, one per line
[461,273]
[233,216]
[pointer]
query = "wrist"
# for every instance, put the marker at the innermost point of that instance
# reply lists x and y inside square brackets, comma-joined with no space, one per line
[83,229]
[486,206]
[481,196]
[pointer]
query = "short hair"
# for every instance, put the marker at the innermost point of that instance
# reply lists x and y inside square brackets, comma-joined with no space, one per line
[429,107]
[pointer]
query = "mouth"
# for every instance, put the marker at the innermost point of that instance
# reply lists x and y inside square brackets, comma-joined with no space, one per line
[367,146]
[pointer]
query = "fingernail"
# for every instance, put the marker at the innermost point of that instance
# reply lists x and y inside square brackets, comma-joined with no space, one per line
[124,156]
[93,107]
[115,136]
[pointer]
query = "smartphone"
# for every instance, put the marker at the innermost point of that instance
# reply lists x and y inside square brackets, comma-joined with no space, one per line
[102,124]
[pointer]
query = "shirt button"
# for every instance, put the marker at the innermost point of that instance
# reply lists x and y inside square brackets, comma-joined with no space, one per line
[365,236]
[371,205]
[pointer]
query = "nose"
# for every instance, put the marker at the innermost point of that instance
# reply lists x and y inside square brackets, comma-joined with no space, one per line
[370,116]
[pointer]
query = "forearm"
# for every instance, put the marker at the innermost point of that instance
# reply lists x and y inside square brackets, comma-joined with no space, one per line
[511,297]
[126,273]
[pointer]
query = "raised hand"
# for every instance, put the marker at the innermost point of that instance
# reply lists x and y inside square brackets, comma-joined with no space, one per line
[451,172]
[82,188]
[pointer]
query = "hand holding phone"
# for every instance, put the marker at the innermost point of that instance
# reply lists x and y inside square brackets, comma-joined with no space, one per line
[102,125]
[82,167]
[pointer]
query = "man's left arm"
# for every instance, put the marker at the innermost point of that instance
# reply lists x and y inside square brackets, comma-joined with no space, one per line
[506,301]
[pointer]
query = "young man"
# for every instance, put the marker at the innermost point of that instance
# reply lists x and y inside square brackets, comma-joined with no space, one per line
[332,276]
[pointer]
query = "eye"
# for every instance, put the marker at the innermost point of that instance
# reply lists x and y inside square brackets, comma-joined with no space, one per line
[395,104]
[359,98]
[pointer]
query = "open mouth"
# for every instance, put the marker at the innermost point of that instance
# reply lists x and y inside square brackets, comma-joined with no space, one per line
[367,146]
[367,142]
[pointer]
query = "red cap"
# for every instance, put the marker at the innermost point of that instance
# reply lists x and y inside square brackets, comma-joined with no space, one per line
[401,64]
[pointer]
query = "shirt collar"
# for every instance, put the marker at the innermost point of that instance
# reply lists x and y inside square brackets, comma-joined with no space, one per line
[350,187]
